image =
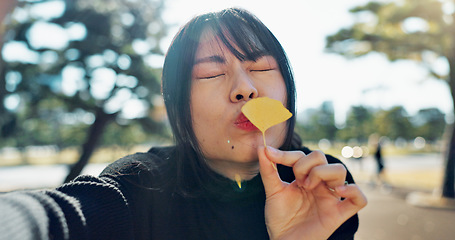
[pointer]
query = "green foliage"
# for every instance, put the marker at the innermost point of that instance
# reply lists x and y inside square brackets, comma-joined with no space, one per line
[430,123]
[362,122]
[412,29]
[320,124]
[359,125]
[105,63]
[394,124]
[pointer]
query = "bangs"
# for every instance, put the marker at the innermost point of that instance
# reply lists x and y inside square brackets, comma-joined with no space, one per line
[244,40]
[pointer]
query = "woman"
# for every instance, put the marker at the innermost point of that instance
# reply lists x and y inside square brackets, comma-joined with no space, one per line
[215,64]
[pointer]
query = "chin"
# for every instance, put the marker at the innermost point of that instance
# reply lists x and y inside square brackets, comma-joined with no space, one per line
[250,156]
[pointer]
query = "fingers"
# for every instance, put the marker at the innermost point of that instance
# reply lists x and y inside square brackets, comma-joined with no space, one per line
[270,178]
[332,174]
[287,158]
[312,172]
[354,199]
[309,170]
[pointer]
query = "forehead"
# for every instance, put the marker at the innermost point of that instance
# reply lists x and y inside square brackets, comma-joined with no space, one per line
[222,43]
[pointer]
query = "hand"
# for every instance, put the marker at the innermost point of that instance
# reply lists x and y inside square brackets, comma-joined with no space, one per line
[310,207]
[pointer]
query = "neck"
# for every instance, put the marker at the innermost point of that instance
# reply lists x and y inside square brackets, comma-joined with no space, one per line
[229,169]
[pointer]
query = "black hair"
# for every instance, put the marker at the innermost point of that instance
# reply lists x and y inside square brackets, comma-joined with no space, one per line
[236,28]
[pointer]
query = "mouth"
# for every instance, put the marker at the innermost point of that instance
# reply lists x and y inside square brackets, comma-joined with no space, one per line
[243,123]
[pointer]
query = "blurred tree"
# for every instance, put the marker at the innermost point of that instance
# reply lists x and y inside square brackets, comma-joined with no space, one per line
[359,125]
[97,58]
[394,123]
[420,30]
[319,123]
[430,124]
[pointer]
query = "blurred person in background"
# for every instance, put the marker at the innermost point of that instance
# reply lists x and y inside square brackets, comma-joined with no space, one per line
[379,162]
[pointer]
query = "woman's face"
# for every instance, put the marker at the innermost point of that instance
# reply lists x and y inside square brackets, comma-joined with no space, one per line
[221,85]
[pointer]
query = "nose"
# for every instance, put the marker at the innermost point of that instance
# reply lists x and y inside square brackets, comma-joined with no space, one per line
[243,89]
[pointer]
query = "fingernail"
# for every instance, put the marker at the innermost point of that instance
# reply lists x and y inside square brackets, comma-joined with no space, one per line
[272,150]
[341,188]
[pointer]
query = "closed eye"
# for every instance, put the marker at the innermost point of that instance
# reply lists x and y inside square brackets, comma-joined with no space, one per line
[262,70]
[213,76]
[264,64]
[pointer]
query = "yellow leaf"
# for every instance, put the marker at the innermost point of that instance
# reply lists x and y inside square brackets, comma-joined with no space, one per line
[265,112]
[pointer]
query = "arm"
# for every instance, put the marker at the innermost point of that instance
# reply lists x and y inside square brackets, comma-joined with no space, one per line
[23,216]
[87,208]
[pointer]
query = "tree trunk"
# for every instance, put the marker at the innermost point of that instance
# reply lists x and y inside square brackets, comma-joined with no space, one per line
[96,131]
[448,187]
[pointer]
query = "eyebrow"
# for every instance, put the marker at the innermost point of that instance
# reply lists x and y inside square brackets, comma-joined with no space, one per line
[220,59]
[214,58]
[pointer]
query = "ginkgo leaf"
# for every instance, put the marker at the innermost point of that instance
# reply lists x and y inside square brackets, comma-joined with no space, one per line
[265,112]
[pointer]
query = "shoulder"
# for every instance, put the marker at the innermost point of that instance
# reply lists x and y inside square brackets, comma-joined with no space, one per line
[131,164]
[143,168]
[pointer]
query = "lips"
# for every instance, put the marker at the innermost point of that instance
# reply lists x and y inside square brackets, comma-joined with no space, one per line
[243,123]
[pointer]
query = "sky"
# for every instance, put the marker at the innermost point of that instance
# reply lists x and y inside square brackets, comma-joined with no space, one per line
[302,26]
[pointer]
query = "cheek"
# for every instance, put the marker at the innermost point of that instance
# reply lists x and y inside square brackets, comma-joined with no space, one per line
[275,89]
[196,103]
[205,111]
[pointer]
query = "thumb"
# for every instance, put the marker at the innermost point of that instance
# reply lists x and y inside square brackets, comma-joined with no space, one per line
[269,174]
